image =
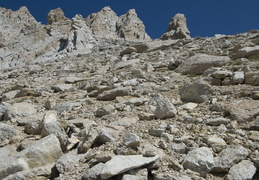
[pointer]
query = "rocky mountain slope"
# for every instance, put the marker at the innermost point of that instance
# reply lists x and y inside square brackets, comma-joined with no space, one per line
[96,98]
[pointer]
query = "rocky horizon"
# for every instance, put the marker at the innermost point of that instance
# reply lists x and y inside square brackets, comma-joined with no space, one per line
[96,98]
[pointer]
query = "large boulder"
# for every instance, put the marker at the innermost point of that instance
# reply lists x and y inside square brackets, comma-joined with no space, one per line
[229,157]
[198,91]
[243,170]
[177,28]
[199,63]
[199,160]
[21,109]
[43,152]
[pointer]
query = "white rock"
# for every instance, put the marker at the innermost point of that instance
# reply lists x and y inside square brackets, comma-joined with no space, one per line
[119,164]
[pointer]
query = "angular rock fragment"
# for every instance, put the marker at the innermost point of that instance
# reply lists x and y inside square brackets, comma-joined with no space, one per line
[243,170]
[50,125]
[131,140]
[119,164]
[164,108]
[199,160]
[197,91]
[229,157]
[7,133]
[112,94]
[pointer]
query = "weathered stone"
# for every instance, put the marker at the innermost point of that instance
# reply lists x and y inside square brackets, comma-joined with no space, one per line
[217,121]
[104,110]
[199,160]
[50,125]
[94,172]
[62,87]
[131,28]
[179,147]
[164,108]
[56,15]
[43,152]
[177,28]
[252,78]
[119,164]
[215,140]
[128,50]
[20,110]
[189,106]
[112,94]
[238,77]
[229,157]
[197,92]
[243,170]
[138,174]
[248,52]
[68,161]
[7,133]
[127,64]
[9,95]
[199,63]
[131,140]
[254,135]
[89,140]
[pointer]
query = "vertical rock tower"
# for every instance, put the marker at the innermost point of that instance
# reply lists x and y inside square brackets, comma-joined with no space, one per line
[177,28]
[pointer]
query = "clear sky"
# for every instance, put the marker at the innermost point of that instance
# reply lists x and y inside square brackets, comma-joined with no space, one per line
[205,18]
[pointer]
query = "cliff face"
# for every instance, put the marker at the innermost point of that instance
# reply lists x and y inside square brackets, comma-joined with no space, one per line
[23,39]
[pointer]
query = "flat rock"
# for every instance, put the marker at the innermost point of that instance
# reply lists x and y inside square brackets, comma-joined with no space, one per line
[128,63]
[119,164]
[19,110]
[62,87]
[112,94]
[94,172]
[247,52]
[199,63]
[243,170]
[217,121]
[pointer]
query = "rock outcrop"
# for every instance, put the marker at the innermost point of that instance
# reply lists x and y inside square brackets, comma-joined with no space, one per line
[177,28]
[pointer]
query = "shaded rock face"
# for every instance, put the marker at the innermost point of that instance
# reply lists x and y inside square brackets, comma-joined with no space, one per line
[56,15]
[177,28]
[103,23]
[131,28]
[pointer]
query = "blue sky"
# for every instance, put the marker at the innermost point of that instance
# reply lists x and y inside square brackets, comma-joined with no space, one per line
[204,17]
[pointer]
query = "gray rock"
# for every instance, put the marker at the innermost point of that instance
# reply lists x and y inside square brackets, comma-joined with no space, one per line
[217,121]
[50,125]
[252,78]
[68,162]
[94,172]
[20,110]
[9,95]
[89,139]
[179,147]
[139,174]
[131,140]
[238,77]
[131,28]
[197,91]
[104,110]
[119,164]
[157,131]
[199,160]
[164,108]
[128,63]
[112,94]
[247,52]
[62,87]
[244,170]
[7,133]
[177,28]
[199,63]
[229,157]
